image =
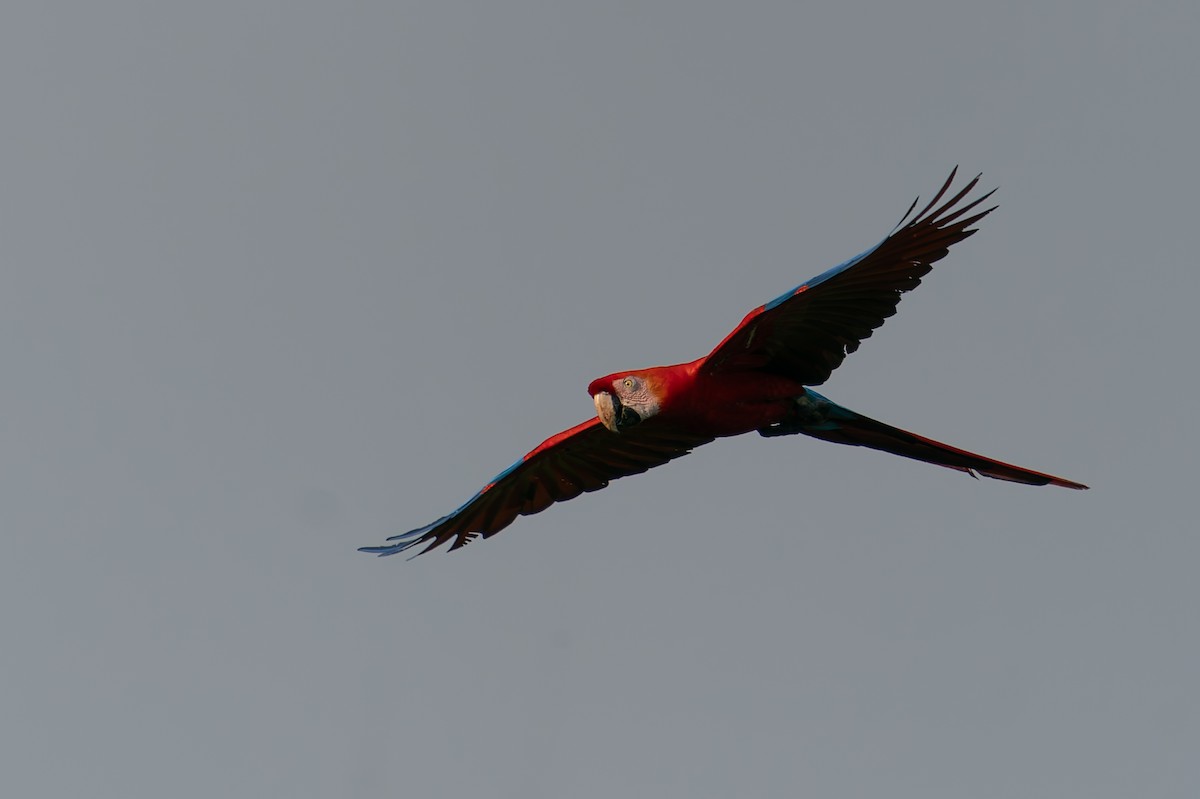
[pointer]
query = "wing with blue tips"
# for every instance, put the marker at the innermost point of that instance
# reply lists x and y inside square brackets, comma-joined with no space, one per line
[806,333]
[584,458]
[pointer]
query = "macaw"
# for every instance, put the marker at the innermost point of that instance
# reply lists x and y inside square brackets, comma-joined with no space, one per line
[757,379]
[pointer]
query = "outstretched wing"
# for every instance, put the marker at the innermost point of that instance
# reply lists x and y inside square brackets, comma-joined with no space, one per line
[584,458]
[806,333]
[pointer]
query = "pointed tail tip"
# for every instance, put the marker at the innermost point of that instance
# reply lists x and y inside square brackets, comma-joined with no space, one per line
[382,551]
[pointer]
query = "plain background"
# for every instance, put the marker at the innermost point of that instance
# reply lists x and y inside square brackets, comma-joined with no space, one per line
[281,279]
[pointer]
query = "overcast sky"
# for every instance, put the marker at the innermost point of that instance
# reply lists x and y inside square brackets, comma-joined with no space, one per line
[282,279]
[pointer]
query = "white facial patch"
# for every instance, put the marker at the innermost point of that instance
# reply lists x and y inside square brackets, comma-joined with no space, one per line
[637,396]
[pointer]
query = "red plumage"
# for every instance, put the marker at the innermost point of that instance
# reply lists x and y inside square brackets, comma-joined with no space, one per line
[754,380]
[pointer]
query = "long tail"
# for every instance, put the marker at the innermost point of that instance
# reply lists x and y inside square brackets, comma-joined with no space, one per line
[819,417]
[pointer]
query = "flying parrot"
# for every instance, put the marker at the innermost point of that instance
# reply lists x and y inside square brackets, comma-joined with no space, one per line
[756,380]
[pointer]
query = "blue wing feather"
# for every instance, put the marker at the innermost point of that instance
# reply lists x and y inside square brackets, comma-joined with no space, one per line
[821,278]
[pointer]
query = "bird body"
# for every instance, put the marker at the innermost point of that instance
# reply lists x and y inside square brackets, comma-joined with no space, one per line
[757,379]
[722,404]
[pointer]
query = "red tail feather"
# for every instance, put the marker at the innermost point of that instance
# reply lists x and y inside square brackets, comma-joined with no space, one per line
[858,430]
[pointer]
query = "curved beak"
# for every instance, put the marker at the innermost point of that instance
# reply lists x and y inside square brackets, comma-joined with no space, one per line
[613,415]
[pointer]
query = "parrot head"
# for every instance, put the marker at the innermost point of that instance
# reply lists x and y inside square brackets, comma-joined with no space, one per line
[624,400]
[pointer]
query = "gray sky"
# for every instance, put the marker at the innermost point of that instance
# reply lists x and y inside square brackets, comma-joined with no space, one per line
[281,279]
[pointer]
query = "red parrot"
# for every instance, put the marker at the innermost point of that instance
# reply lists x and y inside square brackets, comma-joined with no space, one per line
[755,380]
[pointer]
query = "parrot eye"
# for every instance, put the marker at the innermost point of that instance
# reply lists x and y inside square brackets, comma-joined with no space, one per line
[629,383]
